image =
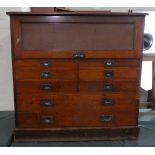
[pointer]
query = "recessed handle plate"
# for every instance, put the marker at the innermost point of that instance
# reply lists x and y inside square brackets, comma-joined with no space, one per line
[108,74]
[47,87]
[47,102]
[46,74]
[108,87]
[106,118]
[107,101]
[78,55]
[46,63]
[47,119]
[109,63]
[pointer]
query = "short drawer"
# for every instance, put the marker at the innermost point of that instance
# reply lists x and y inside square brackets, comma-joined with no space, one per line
[108,63]
[100,74]
[23,74]
[46,102]
[45,87]
[51,102]
[109,86]
[45,63]
[27,120]
[85,118]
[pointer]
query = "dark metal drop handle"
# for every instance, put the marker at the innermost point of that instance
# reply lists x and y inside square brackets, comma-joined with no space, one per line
[108,87]
[46,87]
[108,74]
[106,118]
[46,74]
[46,63]
[47,119]
[78,55]
[107,101]
[47,102]
[109,63]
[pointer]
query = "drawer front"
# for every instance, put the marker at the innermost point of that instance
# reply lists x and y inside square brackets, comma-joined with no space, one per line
[108,63]
[45,74]
[27,120]
[99,74]
[45,64]
[104,118]
[109,86]
[45,87]
[72,102]
[48,37]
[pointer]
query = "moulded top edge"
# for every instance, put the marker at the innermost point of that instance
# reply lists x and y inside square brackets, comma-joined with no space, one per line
[76,14]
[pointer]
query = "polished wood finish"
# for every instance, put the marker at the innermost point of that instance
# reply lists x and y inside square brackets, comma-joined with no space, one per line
[38,64]
[77,118]
[116,86]
[100,74]
[66,31]
[32,102]
[93,63]
[37,87]
[76,75]
[45,74]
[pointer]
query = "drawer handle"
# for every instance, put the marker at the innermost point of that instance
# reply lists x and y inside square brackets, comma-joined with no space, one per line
[107,101]
[47,119]
[79,55]
[108,87]
[46,87]
[109,63]
[47,102]
[46,74]
[46,63]
[108,74]
[106,118]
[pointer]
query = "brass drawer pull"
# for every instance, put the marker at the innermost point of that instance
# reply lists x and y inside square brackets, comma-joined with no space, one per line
[47,119]
[79,55]
[106,118]
[47,102]
[46,74]
[109,63]
[108,73]
[46,87]
[107,101]
[108,87]
[46,63]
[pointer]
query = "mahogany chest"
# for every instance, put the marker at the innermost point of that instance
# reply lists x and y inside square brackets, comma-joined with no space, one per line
[76,75]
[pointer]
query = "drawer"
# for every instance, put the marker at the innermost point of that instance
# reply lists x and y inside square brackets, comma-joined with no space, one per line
[27,120]
[89,118]
[45,102]
[45,87]
[109,86]
[108,63]
[23,74]
[99,74]
[45,63]
[71,102]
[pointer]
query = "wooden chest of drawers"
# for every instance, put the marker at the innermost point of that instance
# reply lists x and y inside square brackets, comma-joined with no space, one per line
[76,75]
